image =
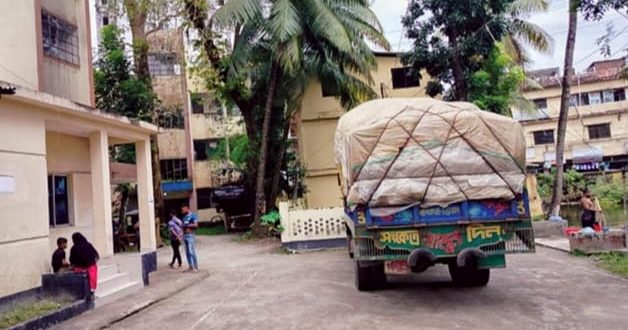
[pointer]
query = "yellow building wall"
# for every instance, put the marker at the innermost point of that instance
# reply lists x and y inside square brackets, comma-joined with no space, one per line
[17,21]
[69,155]
[536,202]
[577,136]
[66,80]
[203,127]
[172,144]
[202,174]
[24,237]
[317,126]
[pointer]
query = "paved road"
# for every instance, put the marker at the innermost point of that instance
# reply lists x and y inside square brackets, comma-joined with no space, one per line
[255,286]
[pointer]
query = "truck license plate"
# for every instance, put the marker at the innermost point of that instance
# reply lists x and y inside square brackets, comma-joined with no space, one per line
[396,267]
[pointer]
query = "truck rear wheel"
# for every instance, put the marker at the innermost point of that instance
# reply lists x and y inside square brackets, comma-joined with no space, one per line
[350,244]
[469,276]
[369,276]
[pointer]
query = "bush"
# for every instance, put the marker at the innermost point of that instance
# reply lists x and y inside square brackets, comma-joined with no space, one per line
[609,193]
[273,221]
[574,182]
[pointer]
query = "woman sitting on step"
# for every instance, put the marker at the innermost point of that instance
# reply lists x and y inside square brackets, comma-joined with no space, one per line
[83,257]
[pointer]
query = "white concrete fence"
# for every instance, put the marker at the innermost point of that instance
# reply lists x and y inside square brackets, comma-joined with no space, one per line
[311,225]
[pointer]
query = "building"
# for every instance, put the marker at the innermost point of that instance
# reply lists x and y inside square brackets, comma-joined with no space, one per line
[316,127]
[597,128]
[54,150]
[192,122]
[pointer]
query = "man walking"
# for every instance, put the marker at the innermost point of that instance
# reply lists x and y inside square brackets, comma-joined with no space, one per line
[190,223]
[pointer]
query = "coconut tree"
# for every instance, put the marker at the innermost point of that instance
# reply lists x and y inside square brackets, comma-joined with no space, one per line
[280,46]
[521,33]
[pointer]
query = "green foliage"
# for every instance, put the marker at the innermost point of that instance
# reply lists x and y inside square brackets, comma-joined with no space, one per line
[211,231]
[574,182]
[614,262]
[494,87]
[122,153]
[22,313]
[240,150]
[273,221]
[609,193]
[521,33]
[545,182]
[117,91]
[444,30]
[595,9]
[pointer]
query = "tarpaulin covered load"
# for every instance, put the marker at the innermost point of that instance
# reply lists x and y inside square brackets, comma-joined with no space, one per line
[401,152]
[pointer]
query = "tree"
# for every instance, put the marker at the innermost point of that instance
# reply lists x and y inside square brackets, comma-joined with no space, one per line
[139,14]
[595,9]
[557,192]
[278,53]
[452,39]
[496,85]
[521,33]
[117,91]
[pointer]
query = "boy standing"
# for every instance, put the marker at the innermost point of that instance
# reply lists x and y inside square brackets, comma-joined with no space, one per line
[176,236]
[190,223]
[58,257]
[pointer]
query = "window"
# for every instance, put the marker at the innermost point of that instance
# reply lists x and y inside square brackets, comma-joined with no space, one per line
[540,104]
[608,96]
[171,119]
[58,200]
[330,89]
[404,78]
[205,149]
[619,95]
[174,169]
[162,64]
[600,131]
[574,100]
[105,20]
[204,198]
[198,102]
[202,104]
[544,137]
[59,38]
[584,99]
[595,98]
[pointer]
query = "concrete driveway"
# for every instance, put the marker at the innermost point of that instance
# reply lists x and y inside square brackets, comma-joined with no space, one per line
[255,286]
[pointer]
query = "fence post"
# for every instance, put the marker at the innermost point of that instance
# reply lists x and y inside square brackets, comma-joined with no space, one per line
[284,216]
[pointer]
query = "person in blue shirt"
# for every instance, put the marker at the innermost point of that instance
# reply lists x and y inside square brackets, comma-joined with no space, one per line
[190,223]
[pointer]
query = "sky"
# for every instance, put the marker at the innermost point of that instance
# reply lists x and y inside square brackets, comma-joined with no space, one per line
[554,21]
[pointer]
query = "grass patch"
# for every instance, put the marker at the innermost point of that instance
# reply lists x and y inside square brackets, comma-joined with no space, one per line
[25,312]
[246,237]
[210,231]
[614,262]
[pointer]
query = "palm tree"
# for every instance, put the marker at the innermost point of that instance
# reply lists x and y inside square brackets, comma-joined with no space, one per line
[557,191]
[302,39]
[521,32]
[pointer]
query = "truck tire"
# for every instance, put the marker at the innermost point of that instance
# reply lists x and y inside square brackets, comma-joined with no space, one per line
[469,276]
[350,244]
[369,277]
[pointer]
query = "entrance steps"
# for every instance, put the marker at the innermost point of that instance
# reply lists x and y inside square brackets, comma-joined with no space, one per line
[114,283]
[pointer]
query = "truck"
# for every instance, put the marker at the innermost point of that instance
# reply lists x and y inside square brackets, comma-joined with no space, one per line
[428,182]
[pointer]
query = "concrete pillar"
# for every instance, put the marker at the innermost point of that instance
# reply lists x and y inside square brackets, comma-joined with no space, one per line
[145,199]
[101,193]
